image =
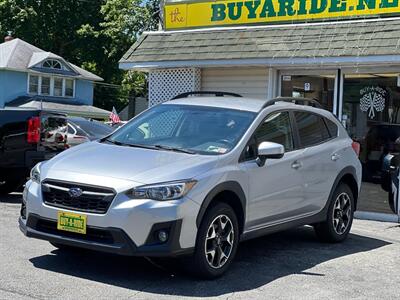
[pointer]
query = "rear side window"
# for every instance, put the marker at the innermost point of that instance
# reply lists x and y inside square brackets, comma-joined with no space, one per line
[93,128]
[332,128]
[71,130]
[312,129]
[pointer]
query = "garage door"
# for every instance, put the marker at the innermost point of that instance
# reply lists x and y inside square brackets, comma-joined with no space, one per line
[248,82]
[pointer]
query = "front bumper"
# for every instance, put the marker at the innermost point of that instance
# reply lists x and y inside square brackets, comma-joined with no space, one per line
[111,240]
[127,228]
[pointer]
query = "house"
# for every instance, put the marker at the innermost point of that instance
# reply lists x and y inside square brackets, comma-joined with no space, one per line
[32,77]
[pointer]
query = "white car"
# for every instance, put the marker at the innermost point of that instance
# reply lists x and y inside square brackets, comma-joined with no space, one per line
[81,130]
[194,176]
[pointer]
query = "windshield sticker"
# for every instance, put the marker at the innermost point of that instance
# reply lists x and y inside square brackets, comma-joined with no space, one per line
[217,149]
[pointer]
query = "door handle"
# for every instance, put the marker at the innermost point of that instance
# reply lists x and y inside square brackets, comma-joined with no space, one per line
[335,157]
[297,165]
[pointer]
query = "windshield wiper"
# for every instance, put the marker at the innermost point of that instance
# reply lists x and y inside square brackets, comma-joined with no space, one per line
[155,147]
[113,142]
[132,145]
[168,148]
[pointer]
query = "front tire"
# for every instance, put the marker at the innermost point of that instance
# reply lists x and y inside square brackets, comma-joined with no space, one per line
[340,216]
[217,242]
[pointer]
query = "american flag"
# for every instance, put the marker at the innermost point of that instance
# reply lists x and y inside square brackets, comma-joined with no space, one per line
[114,118]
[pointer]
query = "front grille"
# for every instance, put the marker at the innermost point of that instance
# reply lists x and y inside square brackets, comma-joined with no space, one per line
[92,234]
[93,199]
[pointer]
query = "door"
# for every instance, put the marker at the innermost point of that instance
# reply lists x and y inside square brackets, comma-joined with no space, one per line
[371,115]
[275,190]
[320,161]
[319,87]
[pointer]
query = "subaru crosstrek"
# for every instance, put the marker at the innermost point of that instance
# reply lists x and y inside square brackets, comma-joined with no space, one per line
[194,176]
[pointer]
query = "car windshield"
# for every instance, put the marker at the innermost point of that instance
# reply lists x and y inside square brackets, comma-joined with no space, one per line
[194,129]
[93,128]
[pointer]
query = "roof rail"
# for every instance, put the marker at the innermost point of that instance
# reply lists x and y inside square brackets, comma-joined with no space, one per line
[216,94]
[295,100]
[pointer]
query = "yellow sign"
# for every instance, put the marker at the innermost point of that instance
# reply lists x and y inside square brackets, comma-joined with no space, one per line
[195,14]
[71,222]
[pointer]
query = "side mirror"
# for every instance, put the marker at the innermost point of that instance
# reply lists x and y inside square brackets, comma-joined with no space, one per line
[269,150]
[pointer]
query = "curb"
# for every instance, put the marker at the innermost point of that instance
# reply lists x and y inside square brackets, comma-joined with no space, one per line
[374,216]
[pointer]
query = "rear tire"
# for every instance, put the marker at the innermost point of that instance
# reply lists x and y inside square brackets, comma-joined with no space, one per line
[340,216]
[216,244]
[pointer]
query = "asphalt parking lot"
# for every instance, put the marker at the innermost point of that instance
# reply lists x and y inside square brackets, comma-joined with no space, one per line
[289,265]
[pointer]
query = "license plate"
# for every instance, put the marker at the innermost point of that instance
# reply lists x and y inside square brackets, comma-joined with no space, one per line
[71,222]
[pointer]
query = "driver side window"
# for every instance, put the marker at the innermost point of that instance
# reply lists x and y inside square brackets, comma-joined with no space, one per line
[275,128]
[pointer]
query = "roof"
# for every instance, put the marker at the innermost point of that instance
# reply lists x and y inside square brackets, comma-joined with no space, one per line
[317,40]
[246,104]
[241,103]
[19,55]
[69,108]
[38,57]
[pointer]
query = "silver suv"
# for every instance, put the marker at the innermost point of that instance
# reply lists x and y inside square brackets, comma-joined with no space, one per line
[194,176]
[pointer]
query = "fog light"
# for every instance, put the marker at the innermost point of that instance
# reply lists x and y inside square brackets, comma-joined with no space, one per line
[23,211]
[162,236]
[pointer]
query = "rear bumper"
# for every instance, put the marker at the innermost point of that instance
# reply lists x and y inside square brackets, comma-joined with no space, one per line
[111,240]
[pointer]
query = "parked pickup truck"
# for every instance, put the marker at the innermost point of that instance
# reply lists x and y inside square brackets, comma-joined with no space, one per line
[27,136]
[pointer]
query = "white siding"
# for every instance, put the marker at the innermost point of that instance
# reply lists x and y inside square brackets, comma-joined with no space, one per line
[248,82]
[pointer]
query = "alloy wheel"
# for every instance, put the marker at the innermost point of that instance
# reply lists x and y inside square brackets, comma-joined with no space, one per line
[219,241]
[342,213]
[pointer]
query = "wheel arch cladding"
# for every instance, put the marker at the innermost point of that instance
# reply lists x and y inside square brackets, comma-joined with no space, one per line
[229,192]
[347,176]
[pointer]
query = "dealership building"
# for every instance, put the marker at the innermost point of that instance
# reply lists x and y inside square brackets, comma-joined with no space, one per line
[344,54]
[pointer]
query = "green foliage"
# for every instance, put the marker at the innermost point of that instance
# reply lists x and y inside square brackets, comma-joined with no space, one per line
[93,34]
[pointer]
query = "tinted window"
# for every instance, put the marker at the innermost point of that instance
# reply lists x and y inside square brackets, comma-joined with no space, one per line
[332,127]
[92,128]
[312,129]
[203,130]
[275,128]
[71,130]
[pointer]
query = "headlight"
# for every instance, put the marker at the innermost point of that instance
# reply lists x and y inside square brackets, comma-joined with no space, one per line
[35,173]
[163,191]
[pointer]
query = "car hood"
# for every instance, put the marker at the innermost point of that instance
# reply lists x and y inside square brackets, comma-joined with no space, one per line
[94,162]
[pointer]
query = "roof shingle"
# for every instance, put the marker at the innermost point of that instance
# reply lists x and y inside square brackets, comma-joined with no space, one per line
[21,56]
[365,38]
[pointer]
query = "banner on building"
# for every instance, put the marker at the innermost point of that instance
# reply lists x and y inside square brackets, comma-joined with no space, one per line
[197,14]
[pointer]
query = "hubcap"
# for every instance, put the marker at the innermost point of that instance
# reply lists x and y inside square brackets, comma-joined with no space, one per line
[342,213]
[219,241]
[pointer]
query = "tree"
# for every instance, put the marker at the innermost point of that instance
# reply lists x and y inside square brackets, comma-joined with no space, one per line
[93,34]
[124,21]
[52,25]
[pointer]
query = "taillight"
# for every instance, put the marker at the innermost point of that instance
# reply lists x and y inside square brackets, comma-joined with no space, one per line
[33,134]
[356,147]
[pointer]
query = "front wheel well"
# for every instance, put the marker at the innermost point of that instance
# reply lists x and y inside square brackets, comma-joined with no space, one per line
[349,180]
[233,200]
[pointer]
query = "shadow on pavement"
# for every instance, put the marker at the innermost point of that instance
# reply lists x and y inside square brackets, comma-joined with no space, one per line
[258,262]
[11,198]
